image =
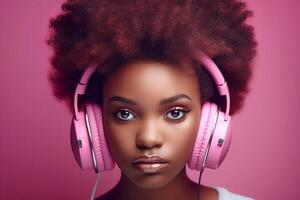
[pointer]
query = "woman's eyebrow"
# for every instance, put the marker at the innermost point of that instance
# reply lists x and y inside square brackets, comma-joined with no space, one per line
[162,102]
[174,98]
[122,100]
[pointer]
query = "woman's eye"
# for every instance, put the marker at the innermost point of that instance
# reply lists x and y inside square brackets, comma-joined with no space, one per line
[176,114]
[124,115]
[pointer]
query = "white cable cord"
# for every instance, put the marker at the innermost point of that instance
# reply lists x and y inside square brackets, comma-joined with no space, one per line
[199,182]
[95,186]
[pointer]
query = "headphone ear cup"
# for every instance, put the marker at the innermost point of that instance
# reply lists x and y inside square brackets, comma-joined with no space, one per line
[203,136]
[80,142]
[220,142]
[103,156]
[212,124]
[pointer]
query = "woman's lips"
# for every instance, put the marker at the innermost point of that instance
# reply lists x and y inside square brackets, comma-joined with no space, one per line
[149,164]
[150,168]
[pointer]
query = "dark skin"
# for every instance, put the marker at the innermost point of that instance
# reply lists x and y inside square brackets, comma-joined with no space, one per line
[153,108]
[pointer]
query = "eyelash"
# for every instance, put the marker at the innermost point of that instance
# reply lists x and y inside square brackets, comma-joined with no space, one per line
[182,112]
[119,112]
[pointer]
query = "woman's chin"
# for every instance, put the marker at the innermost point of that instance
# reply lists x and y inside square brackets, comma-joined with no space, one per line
[151,181]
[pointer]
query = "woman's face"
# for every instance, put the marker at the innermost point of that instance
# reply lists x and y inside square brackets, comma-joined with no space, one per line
[151,108]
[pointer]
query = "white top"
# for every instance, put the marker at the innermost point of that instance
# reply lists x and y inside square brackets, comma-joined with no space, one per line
[226,195]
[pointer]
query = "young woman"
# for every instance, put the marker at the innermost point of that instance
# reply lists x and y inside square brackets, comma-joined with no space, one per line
[152,85]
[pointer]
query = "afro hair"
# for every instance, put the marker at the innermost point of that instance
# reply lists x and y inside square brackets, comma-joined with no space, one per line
[110,33]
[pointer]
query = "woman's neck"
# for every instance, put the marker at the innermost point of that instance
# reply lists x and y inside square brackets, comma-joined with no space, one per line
[181,187]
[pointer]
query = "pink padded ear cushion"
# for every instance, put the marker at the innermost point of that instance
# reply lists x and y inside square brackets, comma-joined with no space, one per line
[102,153]
[208,114]
[80,142]
[220,142]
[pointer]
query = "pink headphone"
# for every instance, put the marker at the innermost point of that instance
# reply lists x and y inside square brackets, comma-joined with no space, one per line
[213,138]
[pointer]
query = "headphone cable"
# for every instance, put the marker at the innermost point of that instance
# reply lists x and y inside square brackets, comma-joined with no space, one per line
[200,175]
[95,186]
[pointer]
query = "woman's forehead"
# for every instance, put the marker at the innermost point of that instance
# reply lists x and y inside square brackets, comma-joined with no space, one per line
[155,80]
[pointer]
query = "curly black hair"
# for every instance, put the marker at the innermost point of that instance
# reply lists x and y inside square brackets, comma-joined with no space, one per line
[110,33]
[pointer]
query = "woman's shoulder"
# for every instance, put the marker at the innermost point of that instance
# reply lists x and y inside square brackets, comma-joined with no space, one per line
[106,196]
[224,194]
[103,197]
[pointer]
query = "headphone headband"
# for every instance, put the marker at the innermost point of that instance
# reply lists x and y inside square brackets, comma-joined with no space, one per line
[200,56]
[217,76]
[81,86]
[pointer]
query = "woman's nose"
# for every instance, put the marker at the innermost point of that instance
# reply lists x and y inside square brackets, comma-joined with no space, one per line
[149,135]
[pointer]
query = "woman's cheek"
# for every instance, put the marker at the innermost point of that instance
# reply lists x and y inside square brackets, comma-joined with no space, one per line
[183,136]
[119,141]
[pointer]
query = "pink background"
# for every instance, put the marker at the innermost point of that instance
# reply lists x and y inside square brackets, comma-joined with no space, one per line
[35,156]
